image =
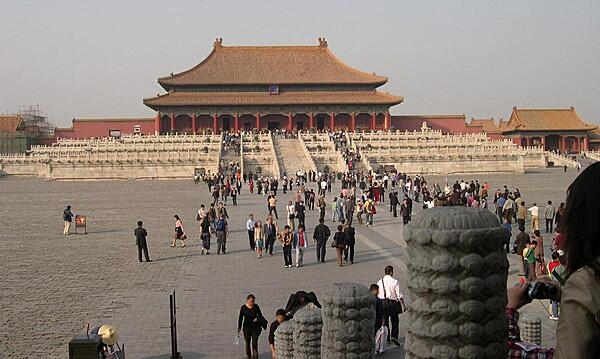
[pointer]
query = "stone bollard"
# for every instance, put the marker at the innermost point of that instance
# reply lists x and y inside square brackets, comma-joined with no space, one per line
[531,329]
[284,340]
[307,332]
[348,322]
[457,271]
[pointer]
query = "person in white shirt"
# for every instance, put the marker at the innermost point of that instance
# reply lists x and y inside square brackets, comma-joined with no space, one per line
[201,213]
[250,227]
[291,214]
[535,222]
[393,302]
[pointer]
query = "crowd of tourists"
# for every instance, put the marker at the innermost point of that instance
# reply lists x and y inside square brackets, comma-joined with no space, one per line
[363,194]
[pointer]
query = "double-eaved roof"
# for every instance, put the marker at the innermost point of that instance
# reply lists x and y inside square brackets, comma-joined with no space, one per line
[271,65]
[540,120]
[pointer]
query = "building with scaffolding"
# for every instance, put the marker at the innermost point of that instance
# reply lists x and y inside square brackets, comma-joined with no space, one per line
[28,126]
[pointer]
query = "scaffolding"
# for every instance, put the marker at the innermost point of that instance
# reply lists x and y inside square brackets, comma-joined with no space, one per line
[34,122]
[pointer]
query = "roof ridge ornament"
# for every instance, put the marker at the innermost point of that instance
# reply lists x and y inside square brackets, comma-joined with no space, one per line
[218,42]
[322,42]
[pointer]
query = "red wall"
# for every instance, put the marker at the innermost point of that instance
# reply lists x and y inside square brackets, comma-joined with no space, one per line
[447,124]
[100,128]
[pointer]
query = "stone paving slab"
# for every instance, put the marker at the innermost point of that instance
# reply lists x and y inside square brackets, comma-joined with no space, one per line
[53,285]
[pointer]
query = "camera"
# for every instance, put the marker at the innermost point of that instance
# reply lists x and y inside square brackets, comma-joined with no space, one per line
[539,290]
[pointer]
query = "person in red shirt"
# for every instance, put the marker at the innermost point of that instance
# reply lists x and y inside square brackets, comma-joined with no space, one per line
[559,240]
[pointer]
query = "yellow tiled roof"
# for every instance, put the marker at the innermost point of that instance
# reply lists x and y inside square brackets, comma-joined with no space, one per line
[9,123]
[271,65]
[488,125]
[546,120]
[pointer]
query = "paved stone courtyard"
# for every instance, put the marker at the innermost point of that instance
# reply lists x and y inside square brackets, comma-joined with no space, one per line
[53,285]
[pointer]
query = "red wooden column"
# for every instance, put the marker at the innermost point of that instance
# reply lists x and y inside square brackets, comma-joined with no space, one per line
[236,121]
[332,121]
[353,122]
[563,145]
[386,124]
[194,128]
[585,143]
[373,121]
[214,123]
[157,124]
[543,138]
[258,120]
[290,125]
[311,120]
[172,121]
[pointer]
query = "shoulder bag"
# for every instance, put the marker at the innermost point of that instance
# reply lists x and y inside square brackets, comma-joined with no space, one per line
[390,306]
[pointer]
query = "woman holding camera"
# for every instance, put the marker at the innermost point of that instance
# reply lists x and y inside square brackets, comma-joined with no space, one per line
[578,332]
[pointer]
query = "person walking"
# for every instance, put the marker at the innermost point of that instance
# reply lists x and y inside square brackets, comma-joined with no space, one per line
[205,227]
[301,213]
[359,212]
[520,244]
[549,214]
[252,322]
[393,302]
[300,244]
[339,243]
[140,234]
[250,225]
[370,210]
[67,218]
[270,232]
[179,233]
[259,239]
[321,206]
[273,206]
[529,257]
[521,215]
[334,210]
[290,210]
[222,230]
[320,236]
[405,212]
[535,223]
[350,234]
[286,238]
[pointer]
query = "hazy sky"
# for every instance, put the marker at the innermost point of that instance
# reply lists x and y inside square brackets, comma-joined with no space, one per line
[100,58]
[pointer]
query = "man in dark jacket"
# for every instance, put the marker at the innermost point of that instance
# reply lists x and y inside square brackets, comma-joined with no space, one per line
[140,240]
[320,236]
[68,218]
[350,235]
[270,235]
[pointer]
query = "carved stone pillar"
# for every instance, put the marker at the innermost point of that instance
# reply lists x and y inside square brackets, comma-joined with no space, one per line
[348,322]
[457,272]
[284,340]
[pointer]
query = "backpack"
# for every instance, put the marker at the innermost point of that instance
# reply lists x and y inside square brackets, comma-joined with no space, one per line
[220,225]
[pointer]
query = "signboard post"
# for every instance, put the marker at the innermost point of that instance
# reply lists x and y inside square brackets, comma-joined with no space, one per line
[174,353]
[81,221]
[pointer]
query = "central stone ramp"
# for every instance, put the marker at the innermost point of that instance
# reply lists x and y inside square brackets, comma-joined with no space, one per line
[291,156]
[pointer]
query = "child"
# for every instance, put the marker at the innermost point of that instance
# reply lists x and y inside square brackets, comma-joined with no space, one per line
[279,318]
[556,271]
[529,257]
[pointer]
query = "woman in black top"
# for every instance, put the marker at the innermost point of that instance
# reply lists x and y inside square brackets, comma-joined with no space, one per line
[205,235]
[251,320]
[339,238]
